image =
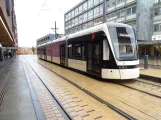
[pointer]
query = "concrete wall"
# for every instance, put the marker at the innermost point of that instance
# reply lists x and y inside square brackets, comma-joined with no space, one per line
[144,22]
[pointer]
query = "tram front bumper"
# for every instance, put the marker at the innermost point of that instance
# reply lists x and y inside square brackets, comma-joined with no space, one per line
[120,74]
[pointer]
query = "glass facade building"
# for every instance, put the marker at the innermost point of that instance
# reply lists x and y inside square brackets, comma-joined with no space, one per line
[89,13]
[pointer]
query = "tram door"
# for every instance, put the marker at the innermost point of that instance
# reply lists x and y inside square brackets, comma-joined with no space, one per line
[62,54]
[93,58]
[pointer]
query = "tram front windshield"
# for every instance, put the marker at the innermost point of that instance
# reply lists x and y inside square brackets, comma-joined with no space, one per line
[124,43]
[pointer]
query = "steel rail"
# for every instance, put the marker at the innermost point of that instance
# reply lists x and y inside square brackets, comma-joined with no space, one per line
[59,105]
[127,116]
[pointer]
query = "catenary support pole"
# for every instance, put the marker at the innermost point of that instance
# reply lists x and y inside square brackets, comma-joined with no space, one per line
[104,10]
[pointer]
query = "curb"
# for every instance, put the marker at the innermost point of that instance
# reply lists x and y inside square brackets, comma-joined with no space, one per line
[151,78]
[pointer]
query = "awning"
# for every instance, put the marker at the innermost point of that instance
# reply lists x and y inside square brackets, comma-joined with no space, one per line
[152,42]
[5,36]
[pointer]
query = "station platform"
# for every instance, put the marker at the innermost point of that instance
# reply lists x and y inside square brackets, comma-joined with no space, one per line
[15,98]
[151,72]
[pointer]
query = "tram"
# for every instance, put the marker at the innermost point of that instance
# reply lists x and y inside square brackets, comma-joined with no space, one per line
[108,51]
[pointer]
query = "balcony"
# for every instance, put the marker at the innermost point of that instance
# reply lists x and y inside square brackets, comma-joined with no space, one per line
[130,17]
[157,18]
[121,19]
[130,1]
[109,9]
[120,5]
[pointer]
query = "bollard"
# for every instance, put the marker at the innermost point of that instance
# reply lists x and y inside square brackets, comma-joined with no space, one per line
[146,62]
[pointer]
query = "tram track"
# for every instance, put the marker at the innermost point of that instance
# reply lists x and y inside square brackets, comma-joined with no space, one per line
[67,116]
[127,116]
[128,86]
[137,89]
[75,84]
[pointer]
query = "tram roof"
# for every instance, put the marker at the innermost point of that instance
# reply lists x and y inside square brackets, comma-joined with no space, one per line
[85,32]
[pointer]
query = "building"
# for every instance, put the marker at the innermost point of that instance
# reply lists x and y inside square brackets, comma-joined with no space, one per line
[8,26]
[47,38]
[153,46]
[144,16]
[88,13]
[24,50]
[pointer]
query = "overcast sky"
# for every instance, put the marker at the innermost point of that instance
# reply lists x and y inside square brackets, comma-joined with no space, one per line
[35,18]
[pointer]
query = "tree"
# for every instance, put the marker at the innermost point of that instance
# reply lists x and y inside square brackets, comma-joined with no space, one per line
[33,49]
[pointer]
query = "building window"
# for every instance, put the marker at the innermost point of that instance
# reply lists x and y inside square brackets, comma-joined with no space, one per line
[101,9]
[129,11]
[72,14]
[85,17]
[76,11]
[111,16]
[157,1]
[85,26]
[81,27]
[133,9]
[119,1]
[66,17]
[90,24]
[8,7]
[84,6]
[96,11]
[122,13]
[69,15]
[72,22]
[66,25]
[101,19]
[13,4]
[96,2]
[76,20]
[111,3]
[97,21]
[90,3]
[118,14]
[80,18]
[80,8]
[13,22]
[157,11]
[90,14]
[156,28]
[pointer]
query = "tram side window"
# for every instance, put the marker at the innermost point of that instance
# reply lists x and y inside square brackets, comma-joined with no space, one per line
[83,52]
[77,51]
[70,51]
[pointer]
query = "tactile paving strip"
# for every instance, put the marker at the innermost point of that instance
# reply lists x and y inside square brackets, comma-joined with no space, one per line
[50,109]
[77,108]
[3,92]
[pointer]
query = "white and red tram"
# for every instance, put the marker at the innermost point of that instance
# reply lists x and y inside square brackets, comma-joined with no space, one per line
[108,51]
